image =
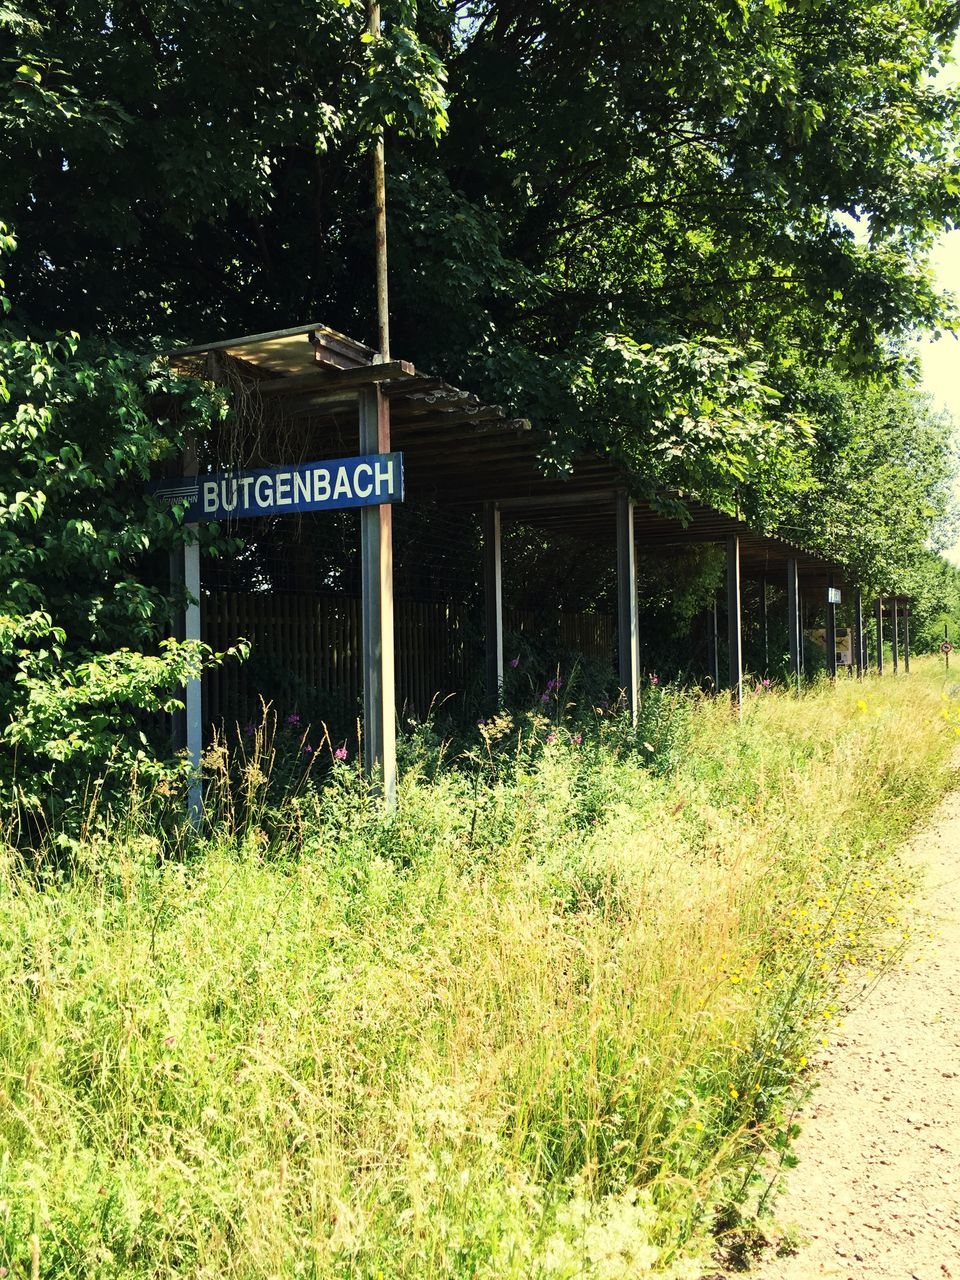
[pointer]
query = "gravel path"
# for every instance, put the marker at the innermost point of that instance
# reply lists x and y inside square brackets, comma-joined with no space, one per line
[876,1195]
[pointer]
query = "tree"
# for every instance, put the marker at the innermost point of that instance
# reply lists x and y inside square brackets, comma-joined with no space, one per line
[613,176]
[83,653]
[631,222]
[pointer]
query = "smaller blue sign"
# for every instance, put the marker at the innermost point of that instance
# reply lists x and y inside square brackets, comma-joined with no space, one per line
[367,481]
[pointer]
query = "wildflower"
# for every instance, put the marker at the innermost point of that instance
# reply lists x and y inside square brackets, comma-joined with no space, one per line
[551,739]
[545,698]
[734,1093]
[577,739]
[340,753]
[293,720]
[654,679]
[248,730]
[482,723]
[515,662]
[766,682]
[308,750]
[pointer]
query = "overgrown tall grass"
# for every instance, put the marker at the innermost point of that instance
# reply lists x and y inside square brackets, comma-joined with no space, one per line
[539,1023]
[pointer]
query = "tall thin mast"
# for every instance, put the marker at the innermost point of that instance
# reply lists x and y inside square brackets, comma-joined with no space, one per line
[380,213]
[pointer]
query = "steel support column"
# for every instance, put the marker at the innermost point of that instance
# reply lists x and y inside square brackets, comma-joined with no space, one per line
[185,575]
[764,623]
[493,604]
[713,645]
[831,634]
[895,637]
[858,632]
[793,621]
[628,622]
[734,624]
[376,567]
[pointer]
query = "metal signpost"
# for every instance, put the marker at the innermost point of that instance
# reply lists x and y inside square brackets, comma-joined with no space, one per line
[371,480]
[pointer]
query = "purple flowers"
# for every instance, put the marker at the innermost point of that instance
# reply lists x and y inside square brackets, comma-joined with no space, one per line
[340,754]
[293,720]
[654,679]
[515,662]
[553,686]
[551,739]
[308,750]
[577,739]
[249,730]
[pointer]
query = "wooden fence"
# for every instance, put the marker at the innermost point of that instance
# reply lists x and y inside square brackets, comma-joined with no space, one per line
[315,642]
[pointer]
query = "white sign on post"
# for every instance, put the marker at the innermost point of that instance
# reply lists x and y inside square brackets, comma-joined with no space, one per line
[833,595]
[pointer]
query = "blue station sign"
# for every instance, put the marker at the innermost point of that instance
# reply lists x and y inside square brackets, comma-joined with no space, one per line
[366,481]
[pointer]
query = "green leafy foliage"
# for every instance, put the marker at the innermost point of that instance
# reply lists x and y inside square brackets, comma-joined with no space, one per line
[84,551]
[627,222]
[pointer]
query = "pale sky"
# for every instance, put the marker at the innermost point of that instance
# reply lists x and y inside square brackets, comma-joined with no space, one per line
[940,359]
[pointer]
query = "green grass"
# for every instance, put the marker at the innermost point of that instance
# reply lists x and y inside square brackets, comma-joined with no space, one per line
[540,1023]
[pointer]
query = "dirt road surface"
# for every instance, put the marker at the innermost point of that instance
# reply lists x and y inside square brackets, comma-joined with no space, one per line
[876,1195]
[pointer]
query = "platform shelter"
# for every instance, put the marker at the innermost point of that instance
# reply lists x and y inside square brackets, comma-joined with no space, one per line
[310,395]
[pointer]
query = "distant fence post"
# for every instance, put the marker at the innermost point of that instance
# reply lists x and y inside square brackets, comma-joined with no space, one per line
[628,623]
[764,622]
[895,646]
[879,610]
[713,644]
[859,637]
[794,638]
[906,636]
[493,603]
[734,626]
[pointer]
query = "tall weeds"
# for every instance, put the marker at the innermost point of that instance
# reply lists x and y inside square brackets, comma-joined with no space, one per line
[541,1022]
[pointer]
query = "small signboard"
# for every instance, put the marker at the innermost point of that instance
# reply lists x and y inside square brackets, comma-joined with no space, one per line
[946,647]
[833,595]
[366,481]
